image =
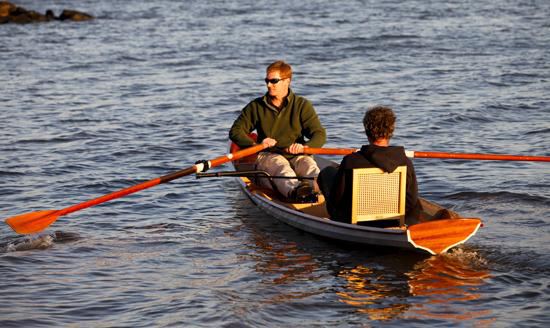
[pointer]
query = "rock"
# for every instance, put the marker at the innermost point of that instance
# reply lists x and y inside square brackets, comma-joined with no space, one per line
[10,13]
[74,15]
[6,8]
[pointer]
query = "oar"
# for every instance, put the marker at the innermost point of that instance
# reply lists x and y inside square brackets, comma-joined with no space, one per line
[431,154]
[33,222]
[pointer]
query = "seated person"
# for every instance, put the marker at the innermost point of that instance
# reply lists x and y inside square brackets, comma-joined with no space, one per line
[283,121]
[336,183]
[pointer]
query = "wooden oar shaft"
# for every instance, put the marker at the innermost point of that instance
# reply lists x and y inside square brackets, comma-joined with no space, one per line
[431,154]
[163,179]
[488,157]
[116,194]
[329,151]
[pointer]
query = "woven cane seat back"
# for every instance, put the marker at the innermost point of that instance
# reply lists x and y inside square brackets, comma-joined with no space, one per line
[378,195]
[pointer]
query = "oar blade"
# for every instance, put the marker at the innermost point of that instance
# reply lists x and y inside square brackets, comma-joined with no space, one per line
[32,222]
[438,236]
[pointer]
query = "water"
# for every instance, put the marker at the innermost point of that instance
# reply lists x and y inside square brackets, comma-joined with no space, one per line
[150,87]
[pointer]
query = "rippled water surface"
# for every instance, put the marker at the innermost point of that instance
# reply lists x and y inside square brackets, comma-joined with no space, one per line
[150,87]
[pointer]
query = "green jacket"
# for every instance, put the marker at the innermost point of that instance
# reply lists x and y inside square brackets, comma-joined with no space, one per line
[296,121]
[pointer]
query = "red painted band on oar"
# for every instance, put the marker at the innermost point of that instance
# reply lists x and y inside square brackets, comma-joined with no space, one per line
[37,221]
[429,154]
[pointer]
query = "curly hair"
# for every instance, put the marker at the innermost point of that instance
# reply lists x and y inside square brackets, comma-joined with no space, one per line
[379,123]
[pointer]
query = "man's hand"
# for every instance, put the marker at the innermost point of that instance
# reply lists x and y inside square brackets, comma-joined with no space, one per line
[269,142]
[295,148]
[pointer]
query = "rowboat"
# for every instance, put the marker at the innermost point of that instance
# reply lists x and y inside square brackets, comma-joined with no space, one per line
[432,232]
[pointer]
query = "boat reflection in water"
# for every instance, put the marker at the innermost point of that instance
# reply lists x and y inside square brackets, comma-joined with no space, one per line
[285,263]
[381,284]
[374,294]
[437,287]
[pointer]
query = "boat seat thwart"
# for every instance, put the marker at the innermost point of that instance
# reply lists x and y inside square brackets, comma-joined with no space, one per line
[378,195]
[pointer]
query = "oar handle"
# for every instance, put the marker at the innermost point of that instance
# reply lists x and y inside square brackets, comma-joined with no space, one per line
[431,154]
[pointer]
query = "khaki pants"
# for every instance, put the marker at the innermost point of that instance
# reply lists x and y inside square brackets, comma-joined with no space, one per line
[278,165]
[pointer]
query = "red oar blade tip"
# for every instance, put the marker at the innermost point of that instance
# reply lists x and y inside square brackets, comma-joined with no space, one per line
[32,222]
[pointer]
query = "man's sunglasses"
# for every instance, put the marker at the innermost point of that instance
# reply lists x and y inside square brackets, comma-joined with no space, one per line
[273,81]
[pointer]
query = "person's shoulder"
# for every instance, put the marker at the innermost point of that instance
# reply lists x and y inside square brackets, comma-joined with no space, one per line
[297,98]
[351,160]
[399,152]
[255,103]
[397,149]
[304,105]
[258,100]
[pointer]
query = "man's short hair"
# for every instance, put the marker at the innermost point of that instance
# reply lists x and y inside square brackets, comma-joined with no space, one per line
[282,67]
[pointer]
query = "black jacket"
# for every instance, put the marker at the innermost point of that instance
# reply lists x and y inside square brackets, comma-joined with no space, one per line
[385,158]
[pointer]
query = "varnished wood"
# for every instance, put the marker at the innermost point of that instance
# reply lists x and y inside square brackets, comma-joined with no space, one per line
[435,154]
[440,235]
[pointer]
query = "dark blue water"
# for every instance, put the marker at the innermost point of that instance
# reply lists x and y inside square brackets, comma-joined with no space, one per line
[149,87]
